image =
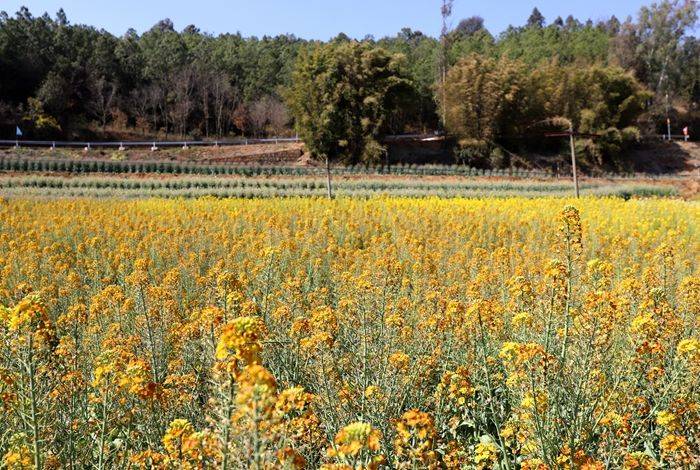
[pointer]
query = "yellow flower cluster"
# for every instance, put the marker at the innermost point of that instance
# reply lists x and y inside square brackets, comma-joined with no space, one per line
[18,455]
[28,320]
[415,441]
[485,453]
[356,446]
[241,339]
[185,448]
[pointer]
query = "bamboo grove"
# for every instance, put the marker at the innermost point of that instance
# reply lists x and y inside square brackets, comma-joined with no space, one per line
[350,334]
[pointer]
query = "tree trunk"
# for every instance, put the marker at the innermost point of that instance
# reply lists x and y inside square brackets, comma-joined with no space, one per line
[155,120]
[328,178]
[205,105]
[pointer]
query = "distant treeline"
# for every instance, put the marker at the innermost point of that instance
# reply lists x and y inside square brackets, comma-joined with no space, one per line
[59,79]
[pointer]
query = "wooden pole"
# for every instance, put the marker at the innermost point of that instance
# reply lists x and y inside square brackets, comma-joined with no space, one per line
[329,188]
[573,157]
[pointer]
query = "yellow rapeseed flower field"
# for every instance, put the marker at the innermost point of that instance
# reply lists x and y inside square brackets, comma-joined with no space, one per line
[350,334]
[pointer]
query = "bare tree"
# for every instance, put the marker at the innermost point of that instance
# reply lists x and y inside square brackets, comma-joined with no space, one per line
[240,117]
[182,93]
[278,116]
[223,96]
[140,106]
[155,97]
[259,113]
[103,95]
[204,88]
[269,112]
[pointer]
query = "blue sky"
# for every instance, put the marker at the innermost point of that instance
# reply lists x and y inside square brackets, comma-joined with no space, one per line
[313,19]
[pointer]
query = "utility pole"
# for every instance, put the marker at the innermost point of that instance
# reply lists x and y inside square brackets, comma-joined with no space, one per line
[571,135]
[329,188]
[573,157]
[663,77]
[668,119]
[446,12]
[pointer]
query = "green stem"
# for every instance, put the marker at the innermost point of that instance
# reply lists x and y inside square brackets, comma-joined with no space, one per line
[103,432]
[494,418]
[33,409]
[227,425]
[567,309]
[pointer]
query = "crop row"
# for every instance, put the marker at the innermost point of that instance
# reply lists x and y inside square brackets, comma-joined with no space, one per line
[261,188]
[29,164]
[23,164]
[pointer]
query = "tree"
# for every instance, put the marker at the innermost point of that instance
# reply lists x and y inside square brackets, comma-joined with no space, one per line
[537,46]
[606,101]
[204,82]
[483,95]
[103,93]
[54,94]
[422,55]
[138,103]
[42,124]
[572,24]
[470,26]
[269,113]
[278,115]
[536,19]
[224,100]
[155,95]
[182,96]
[341,97]
[26,45]
[690,82]
[653,46]
[259,116]
[165,56]
[613,26]
[481,42]
[614,101]
[129,61]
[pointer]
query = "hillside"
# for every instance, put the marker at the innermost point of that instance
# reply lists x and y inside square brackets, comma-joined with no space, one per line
[664,157]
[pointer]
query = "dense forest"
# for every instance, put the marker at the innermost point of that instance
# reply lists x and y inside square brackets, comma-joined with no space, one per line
[619,79]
